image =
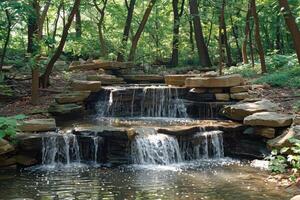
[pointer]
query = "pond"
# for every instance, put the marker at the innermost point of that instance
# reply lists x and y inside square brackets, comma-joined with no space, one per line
[207,179]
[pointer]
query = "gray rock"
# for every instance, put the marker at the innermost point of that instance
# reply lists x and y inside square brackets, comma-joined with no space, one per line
[283,140]
[38,125]
[269,119]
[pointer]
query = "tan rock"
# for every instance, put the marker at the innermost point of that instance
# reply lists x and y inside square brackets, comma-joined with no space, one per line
[269,119]
[222,97]
[38,125]
[106,79]
[72,97]
[5,161]
[178,79]
[265,132]
[297,197]
[65,109]
[297,120]
[283,140]
[5,147]
[214,82]
[94,65]
[210,74]
[93,86]
[240,96]
[241,110]
[140,78]
[239,89]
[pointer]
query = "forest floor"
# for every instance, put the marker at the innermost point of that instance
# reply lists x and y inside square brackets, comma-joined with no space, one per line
[20,102]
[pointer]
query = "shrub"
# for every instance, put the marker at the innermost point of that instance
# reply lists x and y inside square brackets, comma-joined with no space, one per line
[8,125]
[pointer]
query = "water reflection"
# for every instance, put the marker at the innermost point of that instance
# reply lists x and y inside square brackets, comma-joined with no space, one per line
[178,181]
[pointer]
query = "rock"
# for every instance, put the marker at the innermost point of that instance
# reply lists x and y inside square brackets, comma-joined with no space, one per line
[65,109]
[222,97]
[7,68]
[265,132]
[93,86]
[283,140]
[140,78]
[4,161]
[106,79]
[269,119]
[210,74]
[38,125]
[178,79]
[261,164]
[25,160]
[296,120]
[296,197]
[94,65]
[214,82]
[60,63]
[5,147]
[215,90]
[198,90]
[241,110]
[240,96]
[239,89]
[72,97]
[249,131]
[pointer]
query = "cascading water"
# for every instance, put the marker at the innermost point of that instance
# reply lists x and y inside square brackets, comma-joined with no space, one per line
[150,101]
[60,149]
[97,141]
[150,147]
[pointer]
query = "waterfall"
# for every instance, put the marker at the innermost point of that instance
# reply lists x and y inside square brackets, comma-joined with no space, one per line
[151,147]
[150,101]
[96,143]
[209,144]
[60,149]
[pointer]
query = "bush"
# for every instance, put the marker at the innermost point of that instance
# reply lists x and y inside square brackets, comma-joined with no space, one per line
[8,125]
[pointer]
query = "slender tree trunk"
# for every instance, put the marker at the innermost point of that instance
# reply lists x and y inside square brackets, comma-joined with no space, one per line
[210,29]
[191,36]
[140,30]
[8,18]
[56,20]
[258,38]
[247,31]
[126,31]
[251,47]
[201,46]
[78,23]
[176,27]
[291,24]
[235,33]
[42,19]
[44,79]
[221,37]
[33,26]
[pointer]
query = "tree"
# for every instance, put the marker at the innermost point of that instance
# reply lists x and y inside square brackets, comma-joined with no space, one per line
[199,37]
[291,24]
[130,9]
[140,29]
[44,79]
[9,27]
[78,23]
[247,32]
[33,26]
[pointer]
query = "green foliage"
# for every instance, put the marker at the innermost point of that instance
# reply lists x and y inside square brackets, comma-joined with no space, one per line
[8,125]
[287,159]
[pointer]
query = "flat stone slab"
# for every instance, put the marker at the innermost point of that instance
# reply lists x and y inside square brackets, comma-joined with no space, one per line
[139,78]
[283,139]
[106,79]
[79,85]
[214,82]
[269,119]
[64,109]
[178,79]
[38,125]
[5,147]
[94,65]
[242,110]
[72,97]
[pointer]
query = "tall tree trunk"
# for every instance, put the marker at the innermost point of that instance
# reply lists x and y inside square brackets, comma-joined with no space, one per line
[247,32]
[33,26]
[223,34]
[126,31]
[42,19]
[257,37]
[44,79]
[176,27]
[200,43]
[235,33]
[291,24]
[210,29]
[8,18]
[191,36]
[140,30]
[78,23]
[56,20]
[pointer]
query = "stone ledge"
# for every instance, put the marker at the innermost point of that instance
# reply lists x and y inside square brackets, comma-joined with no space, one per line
[214,82]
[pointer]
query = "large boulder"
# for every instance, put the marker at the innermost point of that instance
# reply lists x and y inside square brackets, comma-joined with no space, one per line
[178,79]
[214,82]
[65,109]
[72,97]
[38,125]
[240,89]
[79,85]
[241,110]
[5,147]
[283,140]
[240,96]
[269,119]
[105,79]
